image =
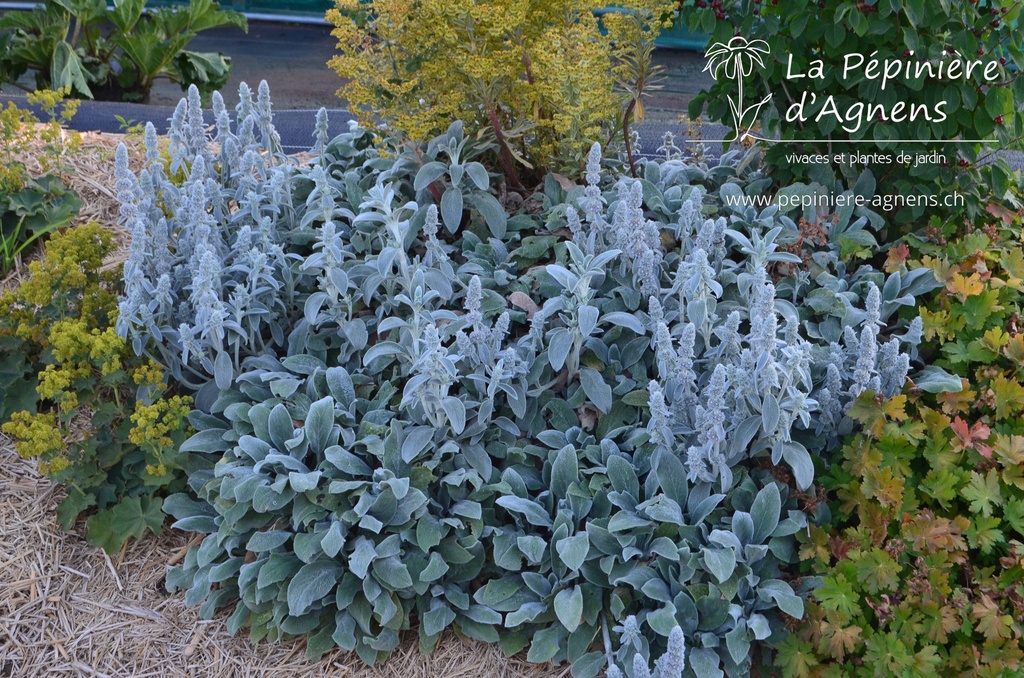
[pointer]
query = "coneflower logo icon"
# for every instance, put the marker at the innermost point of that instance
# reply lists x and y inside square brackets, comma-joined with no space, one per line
[736,61]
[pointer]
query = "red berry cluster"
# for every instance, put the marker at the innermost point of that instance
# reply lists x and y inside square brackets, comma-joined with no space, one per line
[866,8]
[715,5]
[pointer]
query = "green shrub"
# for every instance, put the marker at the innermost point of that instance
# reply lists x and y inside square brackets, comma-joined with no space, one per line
[32,207]
[921,569]
[77,399]
[116,53]
[453,416]
[903,32]
[540,81]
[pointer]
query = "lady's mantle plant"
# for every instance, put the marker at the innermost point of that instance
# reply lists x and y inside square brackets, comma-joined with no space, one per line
[489,426]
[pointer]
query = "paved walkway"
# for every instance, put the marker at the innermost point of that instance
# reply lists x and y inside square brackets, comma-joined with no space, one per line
[292,58]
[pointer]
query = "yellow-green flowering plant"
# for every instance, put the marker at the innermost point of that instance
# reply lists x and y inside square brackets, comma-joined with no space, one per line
[77,398]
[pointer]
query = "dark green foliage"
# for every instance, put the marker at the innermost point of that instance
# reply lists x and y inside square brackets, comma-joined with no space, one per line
[113,53]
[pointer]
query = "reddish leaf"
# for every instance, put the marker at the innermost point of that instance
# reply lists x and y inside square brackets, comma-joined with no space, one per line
[1001,212]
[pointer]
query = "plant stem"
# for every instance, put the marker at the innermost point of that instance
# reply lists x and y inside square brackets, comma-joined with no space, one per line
[507,163]
[625,134]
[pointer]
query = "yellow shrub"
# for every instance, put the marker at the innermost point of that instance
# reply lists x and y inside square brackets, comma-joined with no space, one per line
[536,74]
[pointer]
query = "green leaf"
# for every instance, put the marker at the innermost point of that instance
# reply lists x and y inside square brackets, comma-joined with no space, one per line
[392,573]
[720,562]
[782,594]
[451,208]
[429,532]
[704,662]
[493,213]
[126,13]
[838,594]
[311,584]
[363,554]
[267,541]
[66,70]
[569,607]
[437,619]
[983,492]
[934,379]
[456,412]
[597,390]
[428,174]
[545,645]
[737,643]
[533,547]
[319,424]
[564,471]
[133,517]
[766,511]
[72,506]
[573,550]
[799,460]
[435,569]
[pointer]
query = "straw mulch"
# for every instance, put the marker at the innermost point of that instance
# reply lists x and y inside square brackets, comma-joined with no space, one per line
[68,609]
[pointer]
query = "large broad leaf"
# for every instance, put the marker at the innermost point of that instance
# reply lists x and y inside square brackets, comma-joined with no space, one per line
[765,511]
[311,584]
[205,14]
[569,607]
[319,425]
[596,388]
[125,14]
[133,517]
[208,71]
[934,379]
[66,70]
[530,510]
[565,471]
[151,53]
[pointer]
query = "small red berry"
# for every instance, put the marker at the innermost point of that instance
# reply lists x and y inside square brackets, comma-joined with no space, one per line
[999,120]
[1002,61]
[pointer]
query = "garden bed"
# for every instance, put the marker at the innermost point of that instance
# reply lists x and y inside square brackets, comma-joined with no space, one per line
[67,608]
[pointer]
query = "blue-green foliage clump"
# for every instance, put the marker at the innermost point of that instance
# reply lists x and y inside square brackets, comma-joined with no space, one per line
[543,428]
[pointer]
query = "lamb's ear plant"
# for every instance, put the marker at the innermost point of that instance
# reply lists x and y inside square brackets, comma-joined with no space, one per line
[522,438]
